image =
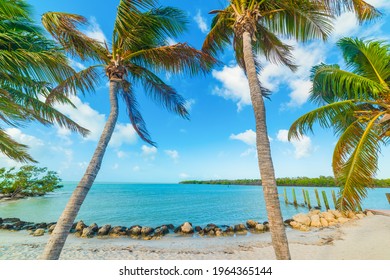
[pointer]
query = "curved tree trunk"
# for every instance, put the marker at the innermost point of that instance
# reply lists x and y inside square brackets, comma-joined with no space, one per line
[278,232]
[57,239]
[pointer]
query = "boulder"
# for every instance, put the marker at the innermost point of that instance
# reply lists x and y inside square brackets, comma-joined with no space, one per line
[104,230]
[186,228]
[288,221]
[324,222]
[118,231]
[336,213]
[369,213]
[94,227]
[304,228]
[315,221]
[1,221]
[161,231]
[260,228]
[229,230]
[145,231]
[219,233]
[135,230]
[41,225]
[39,232]
[7,226]
[209,227]
[198,228]
[328,216]
[295,225]
[342,220]
[170,226]
[302,219]
[360,215]
[80,226]
[87,233]
[251,224]
[314,212]
[350,215]
[11,220]
[51,228]
[240,228]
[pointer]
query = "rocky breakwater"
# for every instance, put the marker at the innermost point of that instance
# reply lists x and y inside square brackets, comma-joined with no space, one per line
[318,219]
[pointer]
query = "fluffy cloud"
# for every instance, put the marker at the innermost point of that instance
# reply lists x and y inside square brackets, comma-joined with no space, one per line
[149,152]
[123,134]
[248,137]
[379,4]
[234,85]
[173,154]
[302,146]
[94,31]
[19,136]
[189,103]
[201,22]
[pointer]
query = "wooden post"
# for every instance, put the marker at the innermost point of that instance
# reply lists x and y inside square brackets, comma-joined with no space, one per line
[285,196]
[334,199]
[318,198]
[294,197]
[304,196]
[308,199]
[388,197]
[325,200]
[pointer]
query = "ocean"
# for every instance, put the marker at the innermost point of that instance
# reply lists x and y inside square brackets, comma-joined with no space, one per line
[157,204]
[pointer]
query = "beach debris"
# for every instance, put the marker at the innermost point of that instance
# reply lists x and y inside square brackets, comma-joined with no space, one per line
[39,232]
[104,230]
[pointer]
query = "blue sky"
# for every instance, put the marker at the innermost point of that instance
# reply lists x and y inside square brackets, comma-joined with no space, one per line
[218,141]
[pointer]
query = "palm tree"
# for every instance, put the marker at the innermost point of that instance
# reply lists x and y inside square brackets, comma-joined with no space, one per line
[138,49]
[356,103]
[30,65]
[252,26]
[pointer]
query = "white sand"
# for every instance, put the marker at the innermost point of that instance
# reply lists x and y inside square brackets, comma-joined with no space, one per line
[368,238]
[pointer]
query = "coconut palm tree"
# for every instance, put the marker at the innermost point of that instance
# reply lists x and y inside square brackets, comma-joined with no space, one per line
[356,104]
[30,65]
[255,27]
[138,49]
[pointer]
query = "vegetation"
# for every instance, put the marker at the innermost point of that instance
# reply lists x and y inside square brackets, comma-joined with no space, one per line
[255,27]
[355,103]
[322,181]
[30,66]
[28,180]
[138,50]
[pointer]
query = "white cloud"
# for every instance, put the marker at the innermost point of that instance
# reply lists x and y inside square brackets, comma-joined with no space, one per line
[19,136]
[170,41]
[379,4]
[189,103]
[123,134]
[173,154]
[76,65]
[300,92]
[302,146]
[184,175]
[121,154]
[94,31]
[149,152]
[234,85]
[248,137]
[201,22]
[85,116]
[345,25]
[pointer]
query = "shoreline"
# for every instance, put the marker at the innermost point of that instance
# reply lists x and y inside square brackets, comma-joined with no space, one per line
[355,240]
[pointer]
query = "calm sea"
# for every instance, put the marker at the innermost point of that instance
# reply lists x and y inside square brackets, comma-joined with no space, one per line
[156,204]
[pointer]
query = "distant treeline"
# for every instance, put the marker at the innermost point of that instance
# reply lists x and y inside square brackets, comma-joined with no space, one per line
[322,181]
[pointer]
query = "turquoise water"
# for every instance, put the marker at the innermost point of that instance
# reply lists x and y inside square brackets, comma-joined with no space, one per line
[156,204]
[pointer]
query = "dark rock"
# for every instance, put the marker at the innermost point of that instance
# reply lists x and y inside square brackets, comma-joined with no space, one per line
[49,225]
[198,228]
[135,230]
[118,231]
[80,226]
[104,230]
[170,226]
[1,221]
[145,231]
[41,225]
[94,227]
[161,231]
[201,232]
[177,230]
[11,220]
[209,227]
[265,223]
[211,232]
[87,233]
[212,225]
[7,226]
[288,221]
[229,230]
[51,228]
[251,224]
[240,227]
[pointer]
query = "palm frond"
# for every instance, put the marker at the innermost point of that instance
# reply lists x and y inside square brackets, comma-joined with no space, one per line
[13,149]
[355,162]
[362,9]
[135,116]
[158,90]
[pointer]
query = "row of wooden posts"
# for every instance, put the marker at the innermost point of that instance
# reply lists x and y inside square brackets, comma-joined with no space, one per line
[306,197]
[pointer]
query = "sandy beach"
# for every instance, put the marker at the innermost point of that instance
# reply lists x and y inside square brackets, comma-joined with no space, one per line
[363,239]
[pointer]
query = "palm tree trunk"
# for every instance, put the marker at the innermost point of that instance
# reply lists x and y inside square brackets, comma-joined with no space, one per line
[267,173]
[57,239]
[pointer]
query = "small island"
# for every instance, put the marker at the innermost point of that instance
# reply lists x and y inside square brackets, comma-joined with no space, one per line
[321,181]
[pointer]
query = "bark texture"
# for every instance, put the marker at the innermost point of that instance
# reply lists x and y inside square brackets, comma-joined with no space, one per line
[267,173]
[57,239]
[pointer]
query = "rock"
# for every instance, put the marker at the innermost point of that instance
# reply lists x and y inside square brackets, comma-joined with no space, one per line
[211,232]
[145,231]
[11,220]
[304,228]
[218,233]
[87,233]
[41,225]
[302,219]
[39,232]
[170,226]
[104,230]
[315,221]
[177,230]
[229,230]
[135,230]
[186,228]
[209,227]
[7,226]
[369,213]
[240,228]
[336,213]
[198,228]
[161,231]
[360,215]
[350,215]
[328,216]
[295,225]
[251,224]
[332,223]
[1,221]
[314,212]
[342,220]
[288,221]
[324,222]
[51,228]
[80,226]
[260,228]
[201,232]
[117,231]
[94,227]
